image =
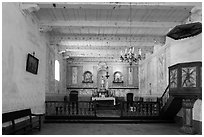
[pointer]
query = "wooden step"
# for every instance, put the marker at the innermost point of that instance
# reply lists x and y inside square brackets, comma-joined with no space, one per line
[119,121]
[141,119]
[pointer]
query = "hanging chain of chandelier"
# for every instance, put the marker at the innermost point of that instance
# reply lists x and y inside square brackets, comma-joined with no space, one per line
[129,56]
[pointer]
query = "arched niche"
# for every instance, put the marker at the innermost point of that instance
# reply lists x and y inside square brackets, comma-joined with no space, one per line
[102,68]
[87,77]
[117,77]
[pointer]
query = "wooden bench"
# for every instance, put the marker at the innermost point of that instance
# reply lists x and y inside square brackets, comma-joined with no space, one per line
[32,121]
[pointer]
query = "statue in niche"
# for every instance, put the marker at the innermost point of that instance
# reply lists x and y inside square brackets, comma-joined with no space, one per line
[88,77]
[103,82]
[118,78]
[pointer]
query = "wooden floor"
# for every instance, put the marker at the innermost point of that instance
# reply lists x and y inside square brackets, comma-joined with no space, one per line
[109,129]
[108,113]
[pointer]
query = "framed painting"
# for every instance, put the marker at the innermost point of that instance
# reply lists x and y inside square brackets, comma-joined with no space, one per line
[32,64]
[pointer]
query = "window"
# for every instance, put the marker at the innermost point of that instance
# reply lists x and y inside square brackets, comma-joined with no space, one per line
[57,70]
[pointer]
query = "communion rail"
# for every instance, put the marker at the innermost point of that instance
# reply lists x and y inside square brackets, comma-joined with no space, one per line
[89,108]
[61,108]
[140,109]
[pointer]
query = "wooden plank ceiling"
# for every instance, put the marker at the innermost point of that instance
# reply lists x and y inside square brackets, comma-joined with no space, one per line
[104,29]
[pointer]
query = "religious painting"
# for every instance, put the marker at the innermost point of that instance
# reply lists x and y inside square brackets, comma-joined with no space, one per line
[32,64]
[142,78]
[118,78]
[87,77]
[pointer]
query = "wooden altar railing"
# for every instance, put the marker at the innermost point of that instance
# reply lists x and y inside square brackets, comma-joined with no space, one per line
[61,108]
[89,108]
[140,108]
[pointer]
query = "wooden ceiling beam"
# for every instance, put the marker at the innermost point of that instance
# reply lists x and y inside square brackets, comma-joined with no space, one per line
[119,24]
[105,38]
[113,5]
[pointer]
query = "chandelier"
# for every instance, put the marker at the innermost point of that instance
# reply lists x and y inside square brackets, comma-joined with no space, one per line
[129,56]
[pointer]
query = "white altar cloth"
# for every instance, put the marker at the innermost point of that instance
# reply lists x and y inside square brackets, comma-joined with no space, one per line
[103,98]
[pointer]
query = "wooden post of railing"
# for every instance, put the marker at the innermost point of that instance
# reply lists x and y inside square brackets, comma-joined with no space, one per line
[56,108]
[64,109]
[46,108]
[121,108]
[77,108]
[68,109]
[151,105]
[94,107]
[159,104]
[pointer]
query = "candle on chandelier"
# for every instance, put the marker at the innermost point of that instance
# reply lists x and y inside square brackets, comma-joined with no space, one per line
[129,50]
[133,50]
[125,51]
[140,52]
[121,53]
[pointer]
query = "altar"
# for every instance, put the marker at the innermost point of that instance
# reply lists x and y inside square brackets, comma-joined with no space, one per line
[104,99]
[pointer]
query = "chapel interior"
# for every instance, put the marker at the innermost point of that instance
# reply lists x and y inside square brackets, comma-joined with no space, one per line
[101,62]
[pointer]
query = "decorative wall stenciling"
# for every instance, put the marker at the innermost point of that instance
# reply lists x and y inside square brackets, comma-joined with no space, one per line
[87,77]
[161,72]
[102,66]
[173,78]
[99,69]
[154,70]
[115,92]
[142,78]
[189,77]
[161,66]
[130,76]
[74,75]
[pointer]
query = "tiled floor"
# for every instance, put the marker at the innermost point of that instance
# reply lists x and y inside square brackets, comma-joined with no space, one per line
[109,129]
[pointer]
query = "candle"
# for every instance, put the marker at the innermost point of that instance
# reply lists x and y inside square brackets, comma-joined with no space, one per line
[130,50]
[121,53]
[125,51]
[140,52]
[133,50]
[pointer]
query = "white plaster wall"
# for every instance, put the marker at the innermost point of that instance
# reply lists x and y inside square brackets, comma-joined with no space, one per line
[151,70]
[60,86]
[186,50]
[54,87]
[197,110]
[20,36]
